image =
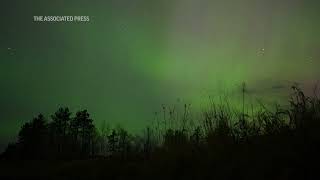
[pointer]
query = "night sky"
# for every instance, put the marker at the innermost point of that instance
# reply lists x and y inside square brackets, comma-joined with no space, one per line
[135,55]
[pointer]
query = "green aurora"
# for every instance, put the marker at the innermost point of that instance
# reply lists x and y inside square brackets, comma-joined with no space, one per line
[135,55]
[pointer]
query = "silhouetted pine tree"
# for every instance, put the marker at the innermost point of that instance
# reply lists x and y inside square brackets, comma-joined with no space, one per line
[112,142]
[32,138]
[83,131]
[59,128]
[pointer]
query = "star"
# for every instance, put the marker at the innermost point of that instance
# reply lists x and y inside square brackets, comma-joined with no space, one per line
[11,50]
[261,51]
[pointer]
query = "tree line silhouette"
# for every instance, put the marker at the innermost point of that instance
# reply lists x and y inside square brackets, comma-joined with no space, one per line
[224,144]
[63,137]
